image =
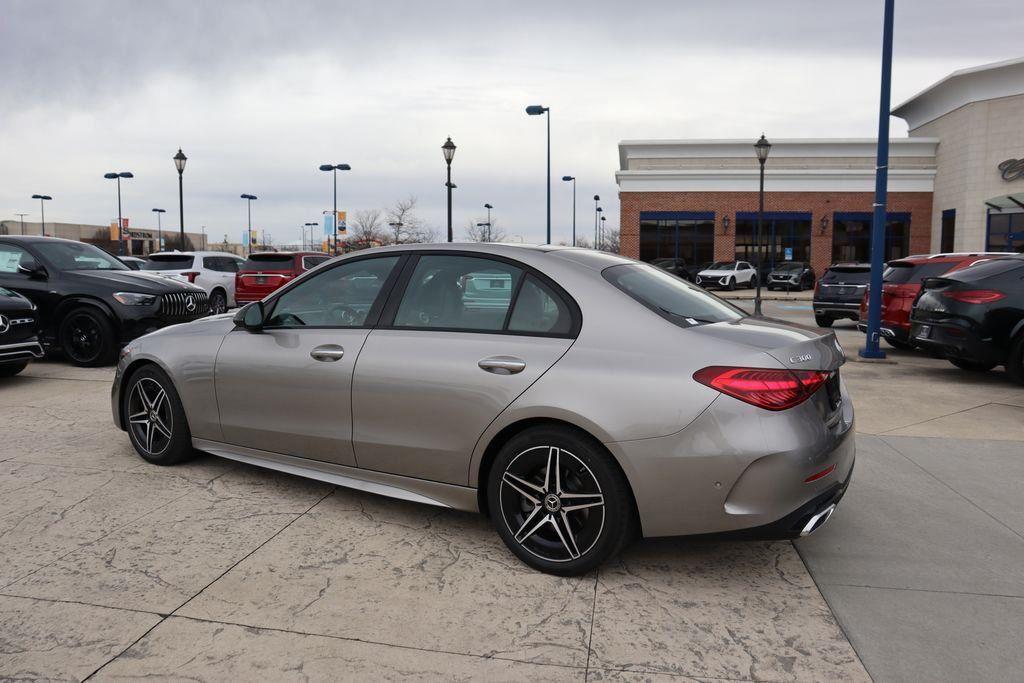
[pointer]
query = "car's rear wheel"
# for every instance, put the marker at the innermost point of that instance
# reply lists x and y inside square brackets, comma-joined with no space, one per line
[218,302]
[824,320]
[155,418]
[12,369]
[87,337]
[559,501]
[972,365]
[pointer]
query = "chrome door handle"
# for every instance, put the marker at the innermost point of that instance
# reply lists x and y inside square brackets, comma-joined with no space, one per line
[503,365]
[327,353]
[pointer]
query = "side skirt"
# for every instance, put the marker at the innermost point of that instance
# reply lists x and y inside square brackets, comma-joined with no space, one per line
[380,483]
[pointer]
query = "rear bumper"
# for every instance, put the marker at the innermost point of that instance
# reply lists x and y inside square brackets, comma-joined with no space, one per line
[837,309]
[901,334]
[956,342]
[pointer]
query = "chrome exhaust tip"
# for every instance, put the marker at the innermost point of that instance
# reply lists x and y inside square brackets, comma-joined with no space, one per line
[817,521]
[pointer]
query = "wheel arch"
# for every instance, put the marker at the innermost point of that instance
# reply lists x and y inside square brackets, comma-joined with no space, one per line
[128,373]
[70,303]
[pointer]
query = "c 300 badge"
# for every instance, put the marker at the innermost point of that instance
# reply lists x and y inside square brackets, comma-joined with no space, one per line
[800,359]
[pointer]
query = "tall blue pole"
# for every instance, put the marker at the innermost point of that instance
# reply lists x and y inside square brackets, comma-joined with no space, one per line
[871,348]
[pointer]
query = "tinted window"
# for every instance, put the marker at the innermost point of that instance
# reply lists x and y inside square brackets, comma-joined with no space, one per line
[984,270]
[312,261]
[789,267]
[458,292]
[78,256]
[268,262]
[912,273]
[848,274]
[220,264]
[670,297]
[722,265]
[339,297]
[168,262]
[11,257]
[539,310]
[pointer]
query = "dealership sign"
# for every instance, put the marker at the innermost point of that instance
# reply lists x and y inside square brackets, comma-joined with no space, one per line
[1012,169]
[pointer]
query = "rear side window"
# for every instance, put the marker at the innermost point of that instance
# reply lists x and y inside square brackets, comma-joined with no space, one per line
[269,262]
[168,262]
[312,261]
[539,310]
[670,297]
[846,274]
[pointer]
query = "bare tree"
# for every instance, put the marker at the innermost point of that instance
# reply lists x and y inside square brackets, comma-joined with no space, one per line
[173,241]
[484,232]
[610,241]
[404,226]
[366,229]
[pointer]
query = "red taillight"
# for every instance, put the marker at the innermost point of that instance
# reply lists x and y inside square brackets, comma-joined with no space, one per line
[768,388]
[191,276]
[975,296]
[820,475]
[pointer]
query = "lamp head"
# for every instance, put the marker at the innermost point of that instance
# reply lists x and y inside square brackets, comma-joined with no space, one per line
[179,161]
[568,177]
[448,148]
[536,109]
[762,147]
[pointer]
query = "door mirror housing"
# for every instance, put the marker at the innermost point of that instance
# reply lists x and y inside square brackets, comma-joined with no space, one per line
[33,269]
[250,317]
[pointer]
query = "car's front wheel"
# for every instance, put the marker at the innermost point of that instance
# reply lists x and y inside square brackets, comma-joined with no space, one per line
[218,302]
[559,501]
[87,337]
[155,418]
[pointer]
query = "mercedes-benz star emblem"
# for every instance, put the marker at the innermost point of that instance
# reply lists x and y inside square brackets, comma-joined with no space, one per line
[190,304]
[5,324]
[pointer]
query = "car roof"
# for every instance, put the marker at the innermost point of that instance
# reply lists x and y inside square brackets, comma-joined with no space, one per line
[175,252]
[597,260]
[40,238]
[947,256]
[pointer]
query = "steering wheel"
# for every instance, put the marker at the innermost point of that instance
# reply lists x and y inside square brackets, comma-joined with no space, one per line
[342,314]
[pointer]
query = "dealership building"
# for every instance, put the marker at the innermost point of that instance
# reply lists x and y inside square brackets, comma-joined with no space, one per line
[956,183]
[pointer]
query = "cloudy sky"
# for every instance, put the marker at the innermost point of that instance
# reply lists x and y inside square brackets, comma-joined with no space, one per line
[258,94]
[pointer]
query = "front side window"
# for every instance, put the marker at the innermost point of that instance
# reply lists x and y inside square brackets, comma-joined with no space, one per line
[458,293]
[670,297]
[11,257]
[339,297]
[78,256]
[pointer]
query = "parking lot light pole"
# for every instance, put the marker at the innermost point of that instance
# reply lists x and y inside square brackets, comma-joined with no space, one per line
[22,217]
[537,110]
[597,213]
[568,178]
[761,148]
[597,229]
[334,168]
[120,221]
[448,149]
[159,229]
[309,225]
[179,163]
[871,344]
[43,198]
[248,206]
[603,229]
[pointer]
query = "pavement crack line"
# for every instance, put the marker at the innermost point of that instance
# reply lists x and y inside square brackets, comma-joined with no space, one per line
[932,419]
[593,612]
[929,590]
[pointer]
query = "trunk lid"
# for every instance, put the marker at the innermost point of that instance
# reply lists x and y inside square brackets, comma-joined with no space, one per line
[795,346]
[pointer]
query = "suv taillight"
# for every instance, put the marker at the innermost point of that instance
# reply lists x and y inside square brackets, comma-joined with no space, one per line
[975,296]
[191,275]
[768,388]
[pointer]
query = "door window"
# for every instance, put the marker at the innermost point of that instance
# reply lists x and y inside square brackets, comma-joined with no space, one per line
[339,297]
[458,293]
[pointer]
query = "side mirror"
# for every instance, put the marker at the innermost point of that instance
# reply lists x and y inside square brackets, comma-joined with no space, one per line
[250,317]
[33,269]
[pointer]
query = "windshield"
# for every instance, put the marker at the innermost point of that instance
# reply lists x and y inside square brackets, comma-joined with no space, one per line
[168,262]
[265,262]
[789,266]
[78,256]
[670,297]
[722,265]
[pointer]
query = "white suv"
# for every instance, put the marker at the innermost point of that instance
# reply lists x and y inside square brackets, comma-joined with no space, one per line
[214,271]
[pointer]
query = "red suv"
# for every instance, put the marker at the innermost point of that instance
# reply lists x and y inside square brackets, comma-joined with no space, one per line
[901,283]
[263,273]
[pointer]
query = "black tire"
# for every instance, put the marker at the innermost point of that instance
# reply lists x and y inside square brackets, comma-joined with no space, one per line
[524,502]
[218,302]
[753,283]
[897,344]
[972,365]
[152,437]
[731,284]
[87,337]
[824,320]
[12,369]
[1015,360]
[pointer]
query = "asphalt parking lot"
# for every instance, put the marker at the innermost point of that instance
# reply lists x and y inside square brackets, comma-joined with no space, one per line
[114,568]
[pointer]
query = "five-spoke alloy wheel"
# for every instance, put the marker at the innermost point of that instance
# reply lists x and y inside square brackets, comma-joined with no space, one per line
[559,502]
[155,419]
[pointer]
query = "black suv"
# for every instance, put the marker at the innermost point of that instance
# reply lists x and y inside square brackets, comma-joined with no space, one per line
[974,316]
[88,302]
[18,341]
[839,291]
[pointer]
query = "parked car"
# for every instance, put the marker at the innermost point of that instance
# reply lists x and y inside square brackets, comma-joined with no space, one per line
[511,410]
[18,341]
[263,273]
[901,282]
[975,316]
[214,271]
[838,293]
[678,266]
[791,276]
[89,303]
[133,262]
[728,274]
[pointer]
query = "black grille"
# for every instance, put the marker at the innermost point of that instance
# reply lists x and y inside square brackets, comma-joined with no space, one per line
[184,305]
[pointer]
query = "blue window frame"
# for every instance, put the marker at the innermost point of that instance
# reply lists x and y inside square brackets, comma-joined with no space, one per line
[851,236]
[783,233]
[688,235]
[1005,231]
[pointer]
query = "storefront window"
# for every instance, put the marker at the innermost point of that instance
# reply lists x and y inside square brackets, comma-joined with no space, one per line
[1006,232]
[851,237]
[689,236]
[784,237]
[947,238]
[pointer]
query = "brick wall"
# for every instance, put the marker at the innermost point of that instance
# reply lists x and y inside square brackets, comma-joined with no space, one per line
[818,204]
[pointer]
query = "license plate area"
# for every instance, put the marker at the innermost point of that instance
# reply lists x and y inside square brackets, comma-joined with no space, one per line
[924,332]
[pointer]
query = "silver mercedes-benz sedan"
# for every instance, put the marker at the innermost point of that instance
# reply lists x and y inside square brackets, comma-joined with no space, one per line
[577,398]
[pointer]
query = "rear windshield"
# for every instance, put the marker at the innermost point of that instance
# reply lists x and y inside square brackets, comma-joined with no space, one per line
[268,262]
[670,297]
[168,262]
[902,272]
[849,274]
[987,269]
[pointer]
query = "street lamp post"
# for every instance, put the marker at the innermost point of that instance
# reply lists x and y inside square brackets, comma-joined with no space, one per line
[603,219]
[448,149]
[179,163]
[537,110]
[334,168]
[22,217]
[249,198]
[761,148]
[309,225]
[42,213]
[568,178]
[597,213]
[120,221]
[597,228]
[160,230]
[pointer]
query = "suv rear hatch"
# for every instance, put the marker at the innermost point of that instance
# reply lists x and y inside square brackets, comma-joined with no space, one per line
[844,284]
[176,266]
[262,274]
